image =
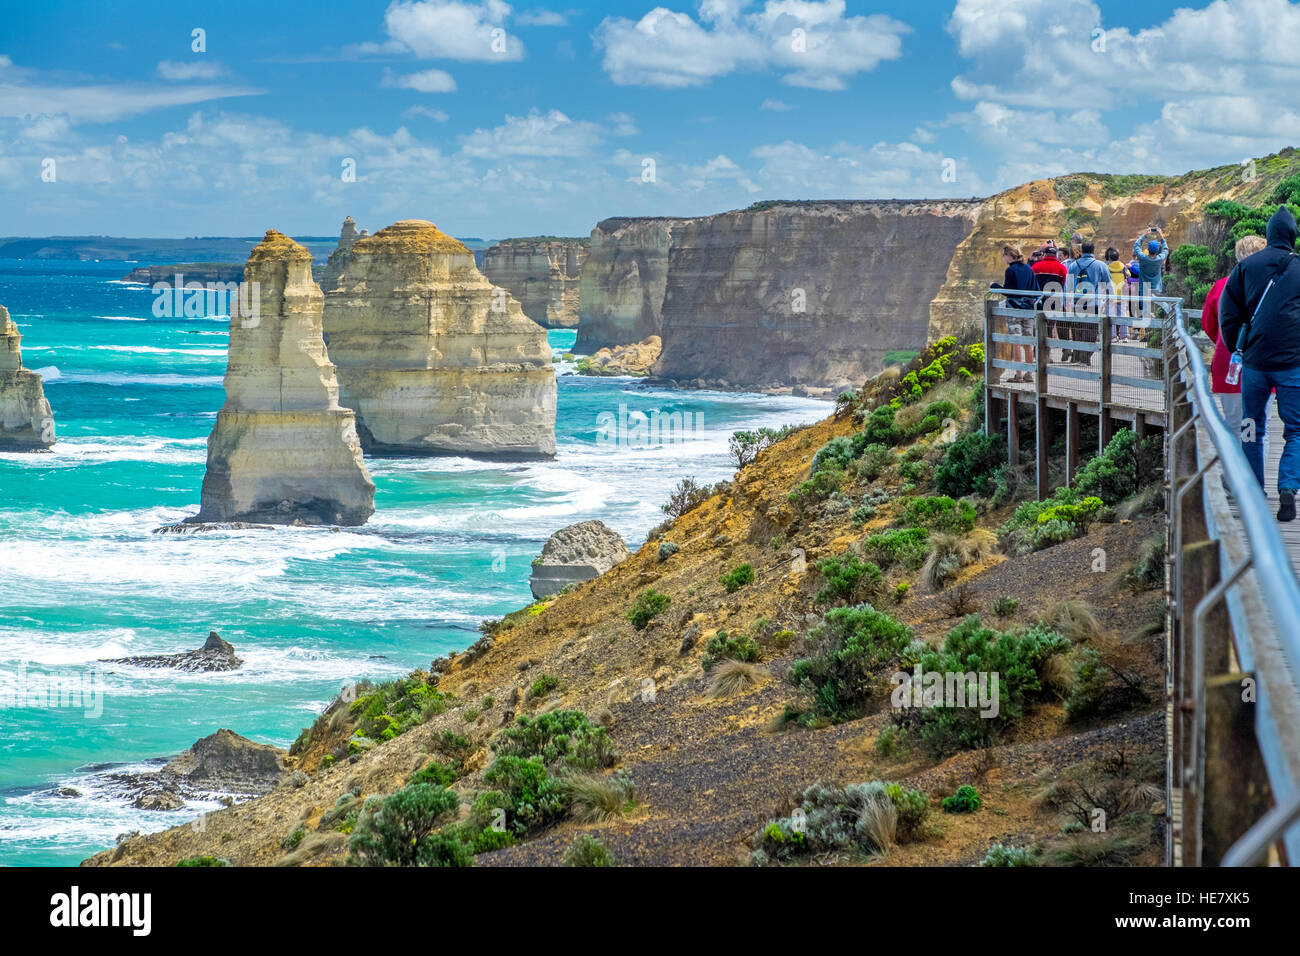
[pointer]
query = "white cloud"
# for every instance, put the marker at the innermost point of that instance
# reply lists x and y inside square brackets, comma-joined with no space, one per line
[24,94]
[776,105]
[426,81]
[624,124]
[542,18]
[813,44]
[537,134]
[190,70]
[849,171]
[430,112]
[449,29]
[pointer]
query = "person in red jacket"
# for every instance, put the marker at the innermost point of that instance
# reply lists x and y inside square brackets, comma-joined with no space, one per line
[1229,395]
[1050,272]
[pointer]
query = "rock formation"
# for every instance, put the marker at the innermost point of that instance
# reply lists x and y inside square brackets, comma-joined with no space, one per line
[188,272]
[341,256]
[433,357]
[574,554]
[216,654]
[623,281]
[26,422]
[636,359]
[804,293]
[283,451]
[226,762]
[543,274]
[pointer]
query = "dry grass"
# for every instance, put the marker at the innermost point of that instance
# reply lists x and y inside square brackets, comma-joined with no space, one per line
[735,677]
[879,821]
[596,799]
[949,553]
[1074,620]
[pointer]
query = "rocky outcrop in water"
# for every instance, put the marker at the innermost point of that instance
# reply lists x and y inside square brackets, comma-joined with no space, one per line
[26,422]
[623,281]
[223,763]
[216,654]
[433,357]
[575,554]
[283,450]
[188,272]
[636,359]
[804,293]
[543,274]
[341,256]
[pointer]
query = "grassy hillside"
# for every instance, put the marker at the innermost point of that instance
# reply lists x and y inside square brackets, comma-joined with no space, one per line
[723,696]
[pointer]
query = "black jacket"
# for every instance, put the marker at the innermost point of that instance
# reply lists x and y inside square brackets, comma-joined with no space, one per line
[1018,276]
[1273,343]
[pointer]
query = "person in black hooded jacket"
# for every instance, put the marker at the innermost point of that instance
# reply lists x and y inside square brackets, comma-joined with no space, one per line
[1271,349]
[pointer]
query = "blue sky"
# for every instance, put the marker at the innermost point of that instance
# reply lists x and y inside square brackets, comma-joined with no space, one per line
[495,119]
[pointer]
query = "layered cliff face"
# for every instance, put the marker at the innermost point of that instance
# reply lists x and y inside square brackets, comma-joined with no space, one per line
[26,422]
[433,357]
[809,293]
[1112,210]
[543,274]
[624,278]
[341,256]
[283,451]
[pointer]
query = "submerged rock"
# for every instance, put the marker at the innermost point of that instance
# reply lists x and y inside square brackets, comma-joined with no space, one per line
[635,359]
[574,554]
[26,422]
[216,654]
[433,357]
[283,450]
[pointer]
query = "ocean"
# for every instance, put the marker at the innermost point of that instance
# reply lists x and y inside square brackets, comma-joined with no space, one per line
[83,577]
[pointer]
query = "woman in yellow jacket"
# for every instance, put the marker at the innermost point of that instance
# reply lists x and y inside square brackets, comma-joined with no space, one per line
[1118,308]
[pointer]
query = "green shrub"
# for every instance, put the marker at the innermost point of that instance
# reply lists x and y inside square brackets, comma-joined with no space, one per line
[876,458]
[1000,855]
[396,830]
[534,799]
[1077,516]
[587,850]
[724,646]
[860,819]
[819,486]
[1126,465]
[904,547]
[969,465]
[889,740]
[667,549]
[880,428]
[1024,533]
[384,711]
[557,737]
[441,774]
[203,861]
[843,576]
[746,446]
[543,686]
[834,455]
[649,604]
[851,653]
[1006,606]
[941,513]
[965,800]
[737,578]
[1018,660]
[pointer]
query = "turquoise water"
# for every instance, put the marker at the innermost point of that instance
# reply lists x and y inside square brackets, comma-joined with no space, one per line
[83,578]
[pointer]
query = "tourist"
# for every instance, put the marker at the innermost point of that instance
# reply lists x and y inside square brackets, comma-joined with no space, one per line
[1131,288]
[1229,395]
[1049,273]
[1266,330]
[1018,276]
[1118,278]
[1151,256]
[1088,292]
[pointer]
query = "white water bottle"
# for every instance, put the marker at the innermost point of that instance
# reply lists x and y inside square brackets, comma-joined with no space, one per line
[1234,369]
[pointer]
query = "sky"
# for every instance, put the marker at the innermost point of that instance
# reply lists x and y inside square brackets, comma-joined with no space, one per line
[496,120]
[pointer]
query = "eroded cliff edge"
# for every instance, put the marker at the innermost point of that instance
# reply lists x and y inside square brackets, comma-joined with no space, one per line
[26,421]
[543,273]
[624,278]
[433,358]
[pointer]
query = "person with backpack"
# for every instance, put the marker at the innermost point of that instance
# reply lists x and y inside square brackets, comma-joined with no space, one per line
[1229,394]
[1151,257]
[1018,276]
[1259,317]
[1088,292]
[1049,273]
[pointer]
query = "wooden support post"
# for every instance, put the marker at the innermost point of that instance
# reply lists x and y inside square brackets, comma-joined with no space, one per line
[1237,791]
[1140,424]
[1106,427]
[1071,441]
[988,365]
[1042,443]
[1013,429]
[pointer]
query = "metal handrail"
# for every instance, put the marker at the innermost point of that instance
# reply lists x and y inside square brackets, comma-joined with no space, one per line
[1269,559]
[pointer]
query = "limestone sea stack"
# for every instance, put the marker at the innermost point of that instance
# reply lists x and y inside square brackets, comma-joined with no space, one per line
[543,274]
[341,255]
[26,422]
[432,356]
[283,450]
[576,553]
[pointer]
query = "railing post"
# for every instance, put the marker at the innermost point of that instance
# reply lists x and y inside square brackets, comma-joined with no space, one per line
[1105,427]
[1042,422]
[988,364]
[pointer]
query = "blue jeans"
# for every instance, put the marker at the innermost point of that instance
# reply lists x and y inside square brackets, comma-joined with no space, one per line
[1255,389]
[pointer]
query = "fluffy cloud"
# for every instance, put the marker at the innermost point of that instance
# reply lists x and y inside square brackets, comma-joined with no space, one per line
[542,18]
[449,29]
[813,44]
[426,81]
[537,134]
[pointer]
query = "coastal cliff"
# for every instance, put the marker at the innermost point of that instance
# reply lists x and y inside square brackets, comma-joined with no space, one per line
[341,256]
[433,357]
[543,274]
[283,451]
[624,278]
[803,293]
[26,422]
